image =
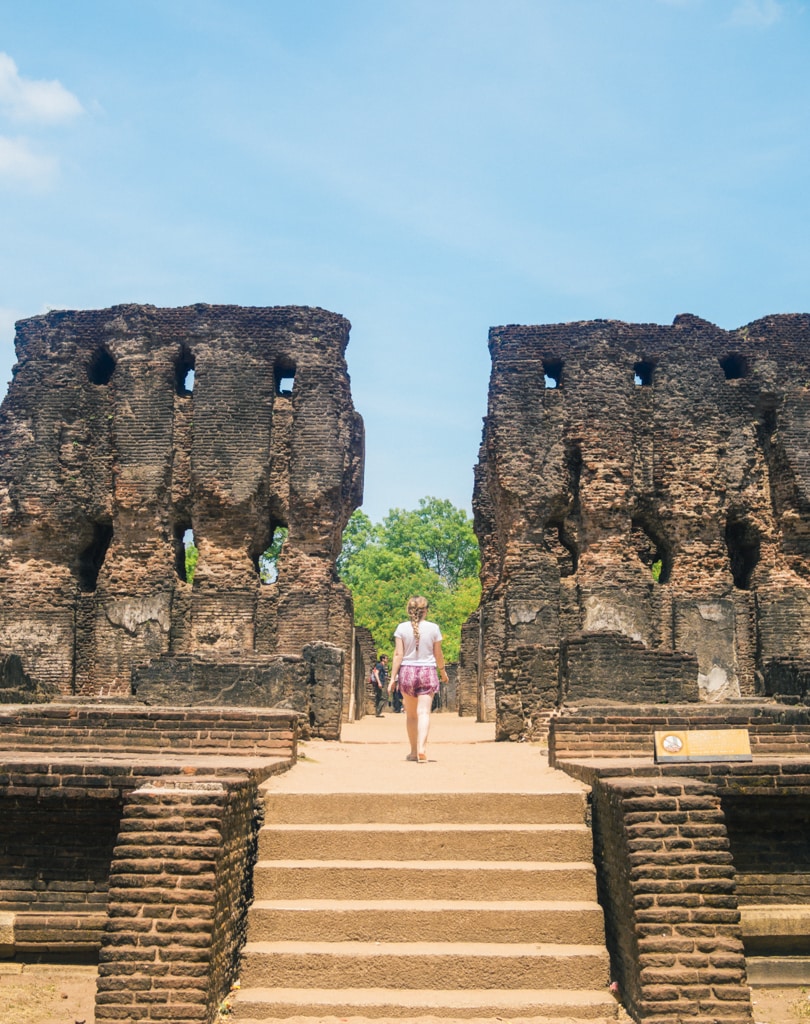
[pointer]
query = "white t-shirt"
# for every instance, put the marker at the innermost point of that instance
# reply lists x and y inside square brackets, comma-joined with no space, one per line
[429,633]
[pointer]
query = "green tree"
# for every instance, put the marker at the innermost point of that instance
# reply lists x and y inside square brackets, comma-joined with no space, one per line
[440,534]
[268,561]
[431,551]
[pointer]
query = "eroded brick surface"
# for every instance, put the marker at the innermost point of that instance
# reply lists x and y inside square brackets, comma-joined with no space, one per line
[108,456]
[685,445]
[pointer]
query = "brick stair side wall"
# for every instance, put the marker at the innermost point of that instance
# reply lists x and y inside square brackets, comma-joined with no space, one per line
[142,729]
[179,890]
[628,732]
[667,884]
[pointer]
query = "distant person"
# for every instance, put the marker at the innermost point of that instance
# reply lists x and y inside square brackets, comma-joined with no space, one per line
[379,675]
[417,656]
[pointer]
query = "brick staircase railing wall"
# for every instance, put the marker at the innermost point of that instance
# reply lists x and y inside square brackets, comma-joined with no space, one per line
[628,731]
[140,729]
[666,882]
[180,886]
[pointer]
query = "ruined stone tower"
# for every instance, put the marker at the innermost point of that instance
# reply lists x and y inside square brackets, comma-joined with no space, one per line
[112,450]
[642,499]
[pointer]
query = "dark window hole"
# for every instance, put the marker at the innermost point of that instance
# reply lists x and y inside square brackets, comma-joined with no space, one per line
[643,374]
[101,368]
[742,542]
[185,553]
[184,374]
[284,374]
[92,557]
[734,366]
[552,372]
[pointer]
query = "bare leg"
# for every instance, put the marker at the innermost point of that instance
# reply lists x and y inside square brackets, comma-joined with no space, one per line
[411,721]
[424,704]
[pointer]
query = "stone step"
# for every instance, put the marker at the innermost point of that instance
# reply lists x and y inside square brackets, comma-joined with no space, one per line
[426,842]
[416,809]
[474,1006]
[392,920]
[453,880]
[410,965]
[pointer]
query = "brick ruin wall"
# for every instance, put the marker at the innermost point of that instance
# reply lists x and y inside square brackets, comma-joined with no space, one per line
[684,445]
[109,454]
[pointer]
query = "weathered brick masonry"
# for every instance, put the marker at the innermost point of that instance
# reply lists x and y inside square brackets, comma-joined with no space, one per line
[108,457]
[180,886]
[609,447]
[131,831]
[700,863]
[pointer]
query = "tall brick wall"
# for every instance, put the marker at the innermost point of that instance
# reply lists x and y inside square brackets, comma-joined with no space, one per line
[684,445]
[109,457]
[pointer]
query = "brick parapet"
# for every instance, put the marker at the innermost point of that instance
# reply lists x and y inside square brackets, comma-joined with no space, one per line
[179,890]
[667,883]
[627,731]
[142,729]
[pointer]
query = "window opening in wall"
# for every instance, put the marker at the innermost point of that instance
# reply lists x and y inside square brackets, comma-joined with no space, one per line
[552,372]
[742,542]
[185,553]
[284,373]
[92,557]
[101,368]
[184,374]
[652,547]
[267,562]
[568,565]
[734,366]
[643,374]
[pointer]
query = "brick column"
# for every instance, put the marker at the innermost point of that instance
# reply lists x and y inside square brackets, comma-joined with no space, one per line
[180,885]
[667,885]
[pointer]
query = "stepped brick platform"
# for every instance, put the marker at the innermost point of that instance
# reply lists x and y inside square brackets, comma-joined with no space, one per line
[459,889]
[129,833]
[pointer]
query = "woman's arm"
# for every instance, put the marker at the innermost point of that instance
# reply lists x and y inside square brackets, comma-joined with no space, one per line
[438,654]
[399,651]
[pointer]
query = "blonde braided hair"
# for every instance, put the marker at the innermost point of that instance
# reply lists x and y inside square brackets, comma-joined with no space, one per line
[417,610]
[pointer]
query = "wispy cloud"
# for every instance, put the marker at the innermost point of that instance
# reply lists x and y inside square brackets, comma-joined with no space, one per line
[35,104]
[757,13]
[19,163]
[34,101]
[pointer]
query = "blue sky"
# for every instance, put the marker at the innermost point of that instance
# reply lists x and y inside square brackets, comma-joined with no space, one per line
[427,169]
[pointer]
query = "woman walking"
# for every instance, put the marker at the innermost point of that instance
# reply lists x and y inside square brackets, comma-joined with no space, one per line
[417,656]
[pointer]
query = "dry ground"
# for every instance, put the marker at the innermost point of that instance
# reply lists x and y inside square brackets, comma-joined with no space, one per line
[52,994]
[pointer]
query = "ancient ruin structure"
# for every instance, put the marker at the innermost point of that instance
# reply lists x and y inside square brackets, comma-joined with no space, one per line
[130,430]
[642,499]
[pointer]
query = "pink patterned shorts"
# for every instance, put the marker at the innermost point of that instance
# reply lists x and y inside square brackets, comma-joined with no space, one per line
[418,679]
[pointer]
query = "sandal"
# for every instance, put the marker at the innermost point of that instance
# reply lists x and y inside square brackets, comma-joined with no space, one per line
[421,758]
[411,757]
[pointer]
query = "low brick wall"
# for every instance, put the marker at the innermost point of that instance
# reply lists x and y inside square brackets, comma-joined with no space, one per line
[180,885]
[137,728]
[666,881]
[615,731]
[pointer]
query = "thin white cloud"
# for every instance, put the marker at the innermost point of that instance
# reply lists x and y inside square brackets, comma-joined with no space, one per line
[757,13]
[20,164]
[34,100]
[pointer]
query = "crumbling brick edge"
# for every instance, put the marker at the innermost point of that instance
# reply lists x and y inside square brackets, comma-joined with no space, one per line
[180,887]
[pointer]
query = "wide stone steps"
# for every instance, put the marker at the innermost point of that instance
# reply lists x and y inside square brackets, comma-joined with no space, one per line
[473,1006]
[463,906]
[421,964]
[462,880]
[411,809]
[399,842]
[392,920]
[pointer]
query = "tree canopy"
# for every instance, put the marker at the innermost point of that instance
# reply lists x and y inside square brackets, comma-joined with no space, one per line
[431,551]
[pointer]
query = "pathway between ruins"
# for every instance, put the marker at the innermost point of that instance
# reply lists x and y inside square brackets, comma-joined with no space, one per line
[347,923]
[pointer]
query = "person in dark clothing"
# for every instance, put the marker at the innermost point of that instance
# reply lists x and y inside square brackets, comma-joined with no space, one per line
[379,676]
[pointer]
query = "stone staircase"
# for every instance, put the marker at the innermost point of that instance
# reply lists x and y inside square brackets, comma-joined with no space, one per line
[404,906]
